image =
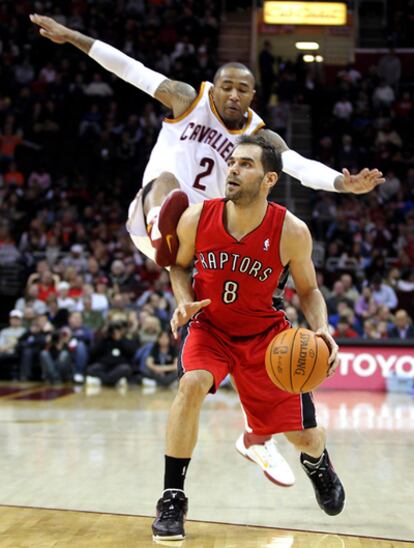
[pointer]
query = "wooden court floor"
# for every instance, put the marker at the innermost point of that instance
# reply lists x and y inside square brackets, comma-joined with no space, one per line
[84,468]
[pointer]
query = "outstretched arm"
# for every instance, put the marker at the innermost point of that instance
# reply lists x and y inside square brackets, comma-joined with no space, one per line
[320,177]
[296,250]
[173,94]
[180,274]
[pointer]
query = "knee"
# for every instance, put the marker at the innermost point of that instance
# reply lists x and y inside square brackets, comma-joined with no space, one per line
[307,440]
[167,178]
[194,386]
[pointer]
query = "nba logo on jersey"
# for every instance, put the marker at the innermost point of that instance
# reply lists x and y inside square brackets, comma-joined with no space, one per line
[266,244]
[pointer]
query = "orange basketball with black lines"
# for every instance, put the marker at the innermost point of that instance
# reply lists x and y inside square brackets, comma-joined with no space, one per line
[297,360]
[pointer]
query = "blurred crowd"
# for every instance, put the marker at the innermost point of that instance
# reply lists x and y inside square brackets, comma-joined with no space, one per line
[78,300]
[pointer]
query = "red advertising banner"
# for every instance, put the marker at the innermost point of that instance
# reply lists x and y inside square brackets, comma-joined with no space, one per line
[366,368]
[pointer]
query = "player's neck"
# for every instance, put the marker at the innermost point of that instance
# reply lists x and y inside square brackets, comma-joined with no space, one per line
[241,219]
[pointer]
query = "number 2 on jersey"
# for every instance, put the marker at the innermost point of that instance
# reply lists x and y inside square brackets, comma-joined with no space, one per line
[208,164]
[230,292]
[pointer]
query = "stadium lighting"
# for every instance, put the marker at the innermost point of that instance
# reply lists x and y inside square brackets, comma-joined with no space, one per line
[319,59]
[309,58]
[307,46]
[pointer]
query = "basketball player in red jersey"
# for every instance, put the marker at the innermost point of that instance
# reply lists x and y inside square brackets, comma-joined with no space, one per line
[241,245]
[191,154]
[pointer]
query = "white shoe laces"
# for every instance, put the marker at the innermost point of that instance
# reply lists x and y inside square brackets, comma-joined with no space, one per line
[274,457]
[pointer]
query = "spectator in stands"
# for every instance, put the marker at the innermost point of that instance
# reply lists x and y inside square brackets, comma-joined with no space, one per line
[76,258]
[338,295]
[79,345]
[111,357]
[403,328]
[383,294]
[350,291]
[267,73]
[344,330]
[98,88]
[370,330]
[343,109]
[365,307]
[13,176]
[384,314]
[63,299]
[149,330]
[389,69]
[391,187]
[161,363]
[383,95]
[387,135]
[31,344]
[31,300]
[92,319]
[55,359]
[9,338]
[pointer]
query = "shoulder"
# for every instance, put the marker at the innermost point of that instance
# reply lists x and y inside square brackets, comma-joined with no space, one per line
[189,220]
[294,227]
[274,139]
[295,241]
[191,215]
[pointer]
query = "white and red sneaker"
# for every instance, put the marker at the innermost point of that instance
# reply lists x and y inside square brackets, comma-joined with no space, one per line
[268,458]
[162,230]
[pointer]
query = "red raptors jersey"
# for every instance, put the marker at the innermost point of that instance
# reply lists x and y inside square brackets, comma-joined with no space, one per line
[239,277]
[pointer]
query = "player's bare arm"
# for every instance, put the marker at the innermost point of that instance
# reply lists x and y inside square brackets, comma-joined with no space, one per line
[320,177]
[177,96]
[181,273]
[296,250]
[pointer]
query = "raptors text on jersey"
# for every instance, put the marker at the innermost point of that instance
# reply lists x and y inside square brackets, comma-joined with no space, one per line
[239,276]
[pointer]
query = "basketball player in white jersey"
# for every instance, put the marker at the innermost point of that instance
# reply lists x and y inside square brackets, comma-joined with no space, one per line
[193,146]
[188,165]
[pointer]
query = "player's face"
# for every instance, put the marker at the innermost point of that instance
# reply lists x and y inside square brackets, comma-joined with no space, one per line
[232,94]
[245,174]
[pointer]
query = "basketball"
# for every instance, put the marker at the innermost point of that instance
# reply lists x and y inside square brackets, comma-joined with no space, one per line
[297,360]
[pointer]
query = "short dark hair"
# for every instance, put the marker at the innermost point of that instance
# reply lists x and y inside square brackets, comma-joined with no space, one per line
[233,65]
[271,158]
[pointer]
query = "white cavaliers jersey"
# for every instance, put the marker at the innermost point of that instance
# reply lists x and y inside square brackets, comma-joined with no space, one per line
[195,148]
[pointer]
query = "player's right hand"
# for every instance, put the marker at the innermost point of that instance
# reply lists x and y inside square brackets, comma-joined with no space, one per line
[49,28]
[184,312]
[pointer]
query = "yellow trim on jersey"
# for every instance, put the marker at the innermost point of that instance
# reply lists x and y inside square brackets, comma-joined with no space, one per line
[259,127]
[219,118]
[190,108]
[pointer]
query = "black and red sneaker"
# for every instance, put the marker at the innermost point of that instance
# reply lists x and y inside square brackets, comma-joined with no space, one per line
[163,231]
[329,491]
[172,509]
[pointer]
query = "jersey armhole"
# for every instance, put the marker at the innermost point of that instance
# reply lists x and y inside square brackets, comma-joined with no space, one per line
[262,125]
[280,238]
[198,225]
[190,108]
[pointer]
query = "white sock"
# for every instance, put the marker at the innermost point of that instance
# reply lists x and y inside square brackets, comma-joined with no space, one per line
[153,214]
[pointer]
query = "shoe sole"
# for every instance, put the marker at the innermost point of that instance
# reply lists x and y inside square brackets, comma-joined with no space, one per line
[172,538]
[268,476]
[173,207]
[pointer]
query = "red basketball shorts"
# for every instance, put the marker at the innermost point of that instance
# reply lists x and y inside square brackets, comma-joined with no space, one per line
[268,410]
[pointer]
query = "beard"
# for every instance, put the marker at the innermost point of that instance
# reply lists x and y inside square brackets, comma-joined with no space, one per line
[242,197]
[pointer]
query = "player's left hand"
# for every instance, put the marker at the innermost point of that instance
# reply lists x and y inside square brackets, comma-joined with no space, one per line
[184,312]
[362,182]
[333,348]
